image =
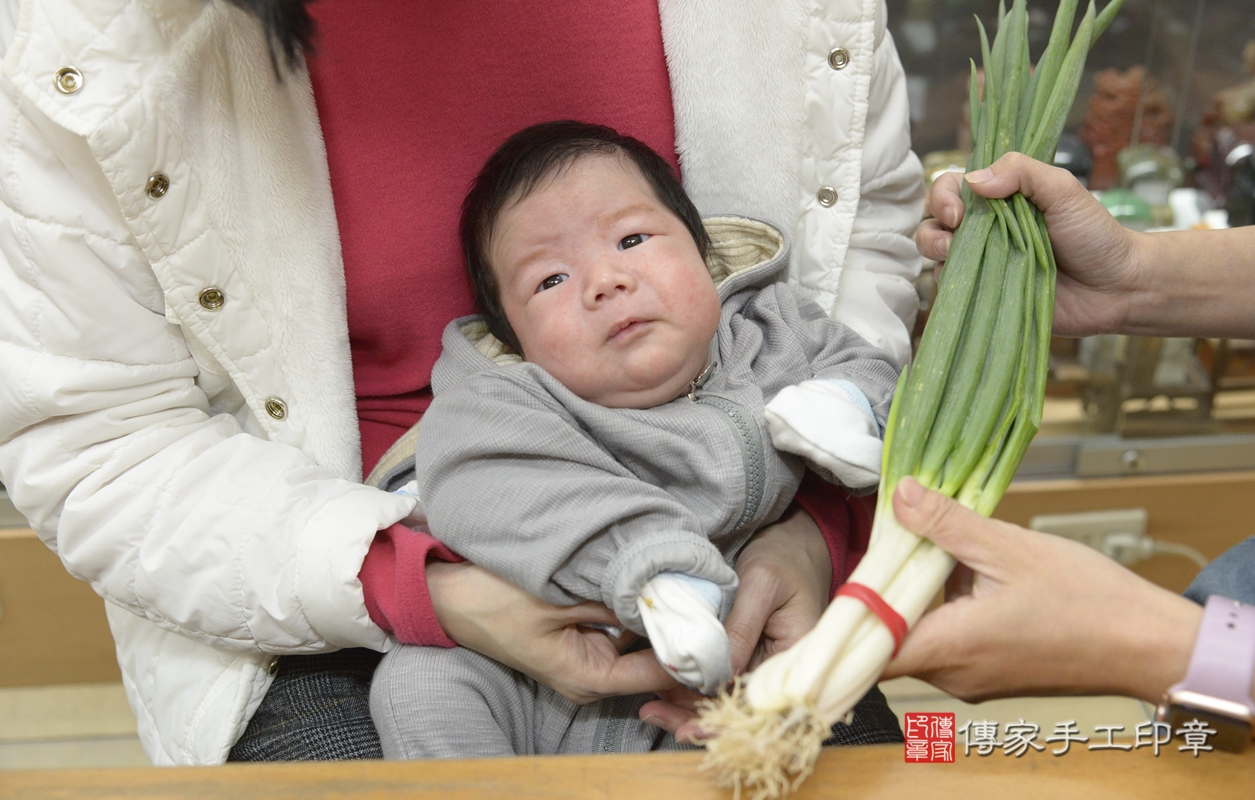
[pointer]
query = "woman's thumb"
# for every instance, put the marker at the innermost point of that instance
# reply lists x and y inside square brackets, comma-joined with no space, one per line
[959,531]
[1045,185]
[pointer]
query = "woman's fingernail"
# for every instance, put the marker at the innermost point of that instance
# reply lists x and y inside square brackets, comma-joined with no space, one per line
[952,219]
[943,247]
[980,175]
[652,719]
[910,491]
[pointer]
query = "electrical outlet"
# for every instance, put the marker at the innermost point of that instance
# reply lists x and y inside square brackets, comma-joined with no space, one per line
[1093,528]
[1119,534]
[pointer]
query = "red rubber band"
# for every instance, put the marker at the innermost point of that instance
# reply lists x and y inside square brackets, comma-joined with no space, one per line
[868,597]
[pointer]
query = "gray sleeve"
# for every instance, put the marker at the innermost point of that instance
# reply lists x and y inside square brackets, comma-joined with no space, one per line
[793,326]
[510,481]
[1230,574]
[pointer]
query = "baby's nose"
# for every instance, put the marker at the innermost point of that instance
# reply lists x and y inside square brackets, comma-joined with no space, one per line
[607,281]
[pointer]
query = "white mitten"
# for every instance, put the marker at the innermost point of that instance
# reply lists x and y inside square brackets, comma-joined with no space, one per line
[830,424]
[680,613]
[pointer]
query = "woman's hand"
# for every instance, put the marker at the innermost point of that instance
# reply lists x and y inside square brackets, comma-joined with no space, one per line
[1098,259]
[786,579]
[491,616]
[1042,614]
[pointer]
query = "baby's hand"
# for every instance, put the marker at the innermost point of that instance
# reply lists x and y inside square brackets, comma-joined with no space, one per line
[680,616]
[830,424]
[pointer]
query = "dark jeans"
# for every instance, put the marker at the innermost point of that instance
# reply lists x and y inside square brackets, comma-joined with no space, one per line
[318,709]
[874,723]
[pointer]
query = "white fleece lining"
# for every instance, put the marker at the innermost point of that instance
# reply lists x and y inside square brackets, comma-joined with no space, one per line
[278,200]
[738,102]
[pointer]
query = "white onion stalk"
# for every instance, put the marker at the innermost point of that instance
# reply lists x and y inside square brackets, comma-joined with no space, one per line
[962,417]
[772,724]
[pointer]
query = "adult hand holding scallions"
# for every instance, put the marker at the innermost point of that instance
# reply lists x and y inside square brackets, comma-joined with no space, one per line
[1104,630]
[1111,279]
[1095,255]
[962,417]
[1043,614]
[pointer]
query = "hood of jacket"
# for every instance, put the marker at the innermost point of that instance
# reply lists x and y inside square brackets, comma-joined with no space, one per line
[744,253]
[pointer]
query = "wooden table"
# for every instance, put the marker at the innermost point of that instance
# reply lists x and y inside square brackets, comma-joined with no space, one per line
[856,772]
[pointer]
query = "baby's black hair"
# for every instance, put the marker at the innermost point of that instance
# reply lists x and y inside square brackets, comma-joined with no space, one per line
[519,165]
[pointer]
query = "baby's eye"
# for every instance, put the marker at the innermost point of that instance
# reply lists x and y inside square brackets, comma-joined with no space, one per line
[550,282]
[632,241]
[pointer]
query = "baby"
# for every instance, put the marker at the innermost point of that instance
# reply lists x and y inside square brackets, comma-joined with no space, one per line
[605,430]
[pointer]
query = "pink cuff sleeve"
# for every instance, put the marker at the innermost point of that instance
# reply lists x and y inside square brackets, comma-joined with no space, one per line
[845,522]
[394,581]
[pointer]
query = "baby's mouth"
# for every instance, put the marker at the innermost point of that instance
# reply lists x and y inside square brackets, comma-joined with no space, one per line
[626,329]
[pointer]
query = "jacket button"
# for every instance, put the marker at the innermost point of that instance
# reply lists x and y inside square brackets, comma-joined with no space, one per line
[212,298]
[827,196]
[839,58]
[157,186]
[273,666]
[276,408]
[68,80]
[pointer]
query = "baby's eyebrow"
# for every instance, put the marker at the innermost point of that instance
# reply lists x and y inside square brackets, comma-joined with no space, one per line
[606,220]
[538,253]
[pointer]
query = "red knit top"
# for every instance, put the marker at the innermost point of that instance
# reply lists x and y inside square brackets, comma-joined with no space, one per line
[413,96]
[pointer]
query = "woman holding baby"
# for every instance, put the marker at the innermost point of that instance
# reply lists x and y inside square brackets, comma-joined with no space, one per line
[226,263]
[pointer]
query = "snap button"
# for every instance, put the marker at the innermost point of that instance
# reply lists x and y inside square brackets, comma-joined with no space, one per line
[276,408]
[212,298]
[68,80]
[157,186]
[839,58]
[273,666]
[827,196]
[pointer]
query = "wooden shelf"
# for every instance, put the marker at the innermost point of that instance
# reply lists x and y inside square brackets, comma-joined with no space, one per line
[52,628]
[1210,512]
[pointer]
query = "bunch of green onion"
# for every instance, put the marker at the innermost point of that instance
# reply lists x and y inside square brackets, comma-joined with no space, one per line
[961,420]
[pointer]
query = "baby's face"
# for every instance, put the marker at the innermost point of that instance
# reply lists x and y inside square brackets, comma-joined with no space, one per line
[604,286]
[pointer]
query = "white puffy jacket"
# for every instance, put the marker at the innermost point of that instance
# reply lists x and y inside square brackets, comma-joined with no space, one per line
[177,416]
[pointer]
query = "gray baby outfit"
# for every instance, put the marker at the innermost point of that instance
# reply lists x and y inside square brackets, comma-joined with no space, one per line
[573,501]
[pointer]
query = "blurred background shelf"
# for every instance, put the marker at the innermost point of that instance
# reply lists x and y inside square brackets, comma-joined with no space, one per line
[61,699]
[52,626]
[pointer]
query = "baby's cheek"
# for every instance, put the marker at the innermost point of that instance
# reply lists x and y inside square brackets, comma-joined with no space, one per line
[706,307]
[560,350]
